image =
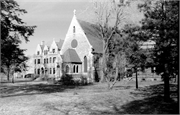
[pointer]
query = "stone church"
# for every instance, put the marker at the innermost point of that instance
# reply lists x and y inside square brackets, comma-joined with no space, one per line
[74,55]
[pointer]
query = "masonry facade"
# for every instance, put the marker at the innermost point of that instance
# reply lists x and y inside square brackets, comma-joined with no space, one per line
[75,55]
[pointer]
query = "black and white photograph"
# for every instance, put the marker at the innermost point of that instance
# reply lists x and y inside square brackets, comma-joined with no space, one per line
[89,57]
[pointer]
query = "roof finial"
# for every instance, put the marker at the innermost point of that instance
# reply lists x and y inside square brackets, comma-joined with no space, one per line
[74,12]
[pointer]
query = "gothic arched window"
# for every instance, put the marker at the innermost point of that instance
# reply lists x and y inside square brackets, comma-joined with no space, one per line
[85,64]
[77,69]
[74,69]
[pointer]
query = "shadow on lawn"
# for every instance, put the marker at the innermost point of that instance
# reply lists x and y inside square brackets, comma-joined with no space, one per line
[152,103]
[31,89]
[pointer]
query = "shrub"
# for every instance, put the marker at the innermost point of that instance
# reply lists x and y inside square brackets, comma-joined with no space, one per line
[67,79]
[84,80]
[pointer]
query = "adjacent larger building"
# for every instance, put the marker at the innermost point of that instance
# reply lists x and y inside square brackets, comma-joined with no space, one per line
[73,56]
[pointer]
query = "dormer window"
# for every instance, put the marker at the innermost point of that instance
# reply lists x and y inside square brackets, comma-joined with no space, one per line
[38,52]
[45,52]
[74,29]
[53,50]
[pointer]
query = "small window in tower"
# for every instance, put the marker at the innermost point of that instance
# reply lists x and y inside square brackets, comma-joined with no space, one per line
[53,50]
[74,29]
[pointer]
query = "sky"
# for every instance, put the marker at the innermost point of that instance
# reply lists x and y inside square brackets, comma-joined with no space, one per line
[53,17]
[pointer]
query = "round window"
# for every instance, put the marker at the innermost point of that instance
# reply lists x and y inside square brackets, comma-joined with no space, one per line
[74,43]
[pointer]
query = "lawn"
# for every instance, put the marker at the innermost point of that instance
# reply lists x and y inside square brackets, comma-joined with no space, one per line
[42,98]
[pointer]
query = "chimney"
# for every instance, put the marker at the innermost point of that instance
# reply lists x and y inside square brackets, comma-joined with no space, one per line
[74,12]
[42,42]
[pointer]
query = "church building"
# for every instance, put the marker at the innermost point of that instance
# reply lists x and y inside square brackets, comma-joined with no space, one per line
[74,55]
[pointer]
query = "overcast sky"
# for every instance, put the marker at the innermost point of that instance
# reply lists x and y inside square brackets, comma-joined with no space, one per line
[52,18]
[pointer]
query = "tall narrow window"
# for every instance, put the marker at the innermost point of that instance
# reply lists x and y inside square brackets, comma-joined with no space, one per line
[38,61]
[85,64]
[47,60]
[77,69]
[50,71]
[38,72]
[50,60]
[74,69]
[44,60]
[54,71]
[54,58]
[34,61]
[74,29]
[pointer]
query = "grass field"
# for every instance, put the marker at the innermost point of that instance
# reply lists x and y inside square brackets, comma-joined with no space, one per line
[42,98]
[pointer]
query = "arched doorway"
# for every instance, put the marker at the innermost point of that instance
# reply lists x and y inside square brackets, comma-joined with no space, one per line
[85,64]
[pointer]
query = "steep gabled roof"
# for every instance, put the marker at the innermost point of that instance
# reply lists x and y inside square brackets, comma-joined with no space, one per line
[93,36]
[60,43]
[42,47]
[70,56]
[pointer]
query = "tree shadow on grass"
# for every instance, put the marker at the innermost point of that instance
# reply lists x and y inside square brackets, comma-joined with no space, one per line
[152,102]
[31,89]
[150,105]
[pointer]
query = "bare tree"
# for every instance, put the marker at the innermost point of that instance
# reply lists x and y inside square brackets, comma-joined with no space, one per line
[109,16]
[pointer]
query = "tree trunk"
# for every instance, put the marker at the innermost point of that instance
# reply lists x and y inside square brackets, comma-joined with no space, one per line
[8,73]
[115,79]
[103,67]
[166,84]
[166,88]
[136,79]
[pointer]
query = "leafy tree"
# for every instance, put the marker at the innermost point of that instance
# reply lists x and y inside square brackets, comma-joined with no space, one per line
[12,57]
[136,56]
[13,30]
[161,24]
